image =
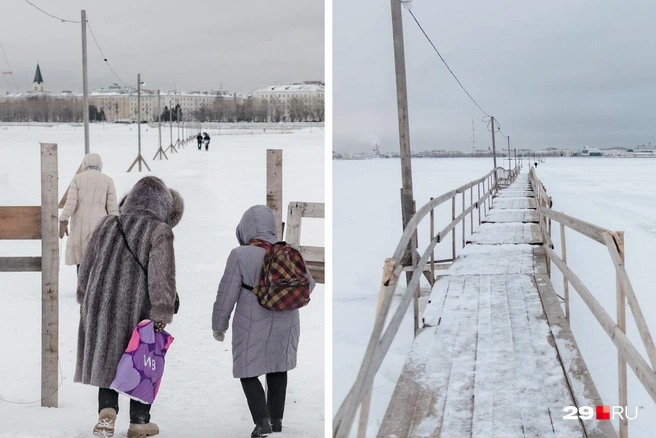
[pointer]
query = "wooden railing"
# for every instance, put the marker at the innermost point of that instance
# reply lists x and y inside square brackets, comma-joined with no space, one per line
[616,330]
[406,258]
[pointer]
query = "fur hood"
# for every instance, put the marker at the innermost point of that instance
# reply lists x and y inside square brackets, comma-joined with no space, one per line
[92,161]
[257,222]
[150,196]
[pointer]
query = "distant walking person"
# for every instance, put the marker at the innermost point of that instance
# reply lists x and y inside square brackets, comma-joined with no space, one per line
[91,196]
[264,341]
[206,140]
[199,139]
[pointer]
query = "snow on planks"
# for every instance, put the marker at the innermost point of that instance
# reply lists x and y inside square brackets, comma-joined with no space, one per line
[485,363]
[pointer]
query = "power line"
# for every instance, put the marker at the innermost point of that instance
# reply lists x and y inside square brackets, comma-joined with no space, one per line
[103,55]
[11,72]
[50,15]
[447,65]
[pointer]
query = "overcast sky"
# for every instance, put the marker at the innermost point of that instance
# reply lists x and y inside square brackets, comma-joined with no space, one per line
[562,73]
[190,44]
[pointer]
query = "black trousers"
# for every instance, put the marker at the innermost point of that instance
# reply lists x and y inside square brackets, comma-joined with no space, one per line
[271,406]
[139,412]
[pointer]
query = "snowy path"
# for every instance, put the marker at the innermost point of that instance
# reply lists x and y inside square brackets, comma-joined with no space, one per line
[199,397]
[485,364]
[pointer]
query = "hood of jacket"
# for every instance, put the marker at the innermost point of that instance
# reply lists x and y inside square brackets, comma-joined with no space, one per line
[92,161]
[150,196]
[257,222]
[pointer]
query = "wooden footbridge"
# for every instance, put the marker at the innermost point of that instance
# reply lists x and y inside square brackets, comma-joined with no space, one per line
[493,354]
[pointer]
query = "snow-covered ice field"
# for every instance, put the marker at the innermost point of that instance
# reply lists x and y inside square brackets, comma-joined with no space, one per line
[613,193]
[198,397]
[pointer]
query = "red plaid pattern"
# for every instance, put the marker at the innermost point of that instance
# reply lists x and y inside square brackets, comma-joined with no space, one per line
[283,283]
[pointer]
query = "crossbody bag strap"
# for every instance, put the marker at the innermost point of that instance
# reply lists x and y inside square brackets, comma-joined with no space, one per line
[125,239]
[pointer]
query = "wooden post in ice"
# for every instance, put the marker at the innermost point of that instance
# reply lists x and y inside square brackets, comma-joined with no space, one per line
[494,152]
[85,82]
[49,277]
[160,152]
[274,186]
[402,105]
[621,323]
[139,158]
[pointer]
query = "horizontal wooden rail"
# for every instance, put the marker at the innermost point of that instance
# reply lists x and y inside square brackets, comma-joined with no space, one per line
[640,367]
[20,264]
[20,223]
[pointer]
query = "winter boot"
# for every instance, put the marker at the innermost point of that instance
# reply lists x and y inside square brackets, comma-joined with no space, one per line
[142,430]
[276,424]
[262,428]
[106,422]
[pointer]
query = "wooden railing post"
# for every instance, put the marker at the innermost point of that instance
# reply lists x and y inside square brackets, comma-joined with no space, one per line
[463,220]
[563,244]
[432,236]
[621,323]
[479,207]
[471,215]
[388,268]
[453,239]
[49,277]
[415,258]
[274,187]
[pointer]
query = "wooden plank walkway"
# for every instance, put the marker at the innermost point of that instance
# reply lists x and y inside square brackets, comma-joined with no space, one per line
[487,362]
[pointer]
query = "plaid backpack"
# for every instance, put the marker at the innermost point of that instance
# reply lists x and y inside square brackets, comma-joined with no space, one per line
[283,282]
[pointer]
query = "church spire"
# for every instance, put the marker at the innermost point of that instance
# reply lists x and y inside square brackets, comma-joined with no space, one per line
[37,85]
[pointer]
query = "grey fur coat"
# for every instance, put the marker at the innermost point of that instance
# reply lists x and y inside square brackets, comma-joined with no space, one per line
[263,341]
[114,292]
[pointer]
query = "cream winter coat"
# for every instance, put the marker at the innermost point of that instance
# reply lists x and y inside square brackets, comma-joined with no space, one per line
[91,196]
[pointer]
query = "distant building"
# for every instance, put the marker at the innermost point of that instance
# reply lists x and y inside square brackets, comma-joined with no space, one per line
[37,84]
[291,103]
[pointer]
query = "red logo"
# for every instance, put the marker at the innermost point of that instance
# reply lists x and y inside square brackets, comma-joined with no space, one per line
[603,412]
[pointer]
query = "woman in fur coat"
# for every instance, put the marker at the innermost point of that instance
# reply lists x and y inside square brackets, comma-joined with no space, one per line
[116,292]
[91,196]
[263,341]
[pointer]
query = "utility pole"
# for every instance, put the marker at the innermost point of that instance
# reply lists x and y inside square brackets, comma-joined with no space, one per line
[85,82]
[139,115]
[402,104]
[159,118]
[494,151]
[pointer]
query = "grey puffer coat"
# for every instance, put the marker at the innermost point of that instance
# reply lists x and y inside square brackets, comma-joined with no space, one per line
[263,341]
[114,292]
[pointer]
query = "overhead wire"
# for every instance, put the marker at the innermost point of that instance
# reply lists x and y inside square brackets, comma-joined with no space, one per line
[103,55]
[445,63]
[63,20]
[10,70]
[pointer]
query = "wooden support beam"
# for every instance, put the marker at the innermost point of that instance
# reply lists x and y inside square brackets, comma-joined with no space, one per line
[18,223]
[274,186]
[49,277]
[20,264]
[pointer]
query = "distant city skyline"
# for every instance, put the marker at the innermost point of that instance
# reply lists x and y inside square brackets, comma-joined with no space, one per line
[195,46]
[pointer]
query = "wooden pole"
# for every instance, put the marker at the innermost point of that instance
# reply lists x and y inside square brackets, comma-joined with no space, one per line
[274,186]
[402,105]
[49,277]
[159,118]
[453,235]
[139,116]
[85,82]
[432,236]
[509,156]
[563,244]
[471,216]
[621,323]
[463,220]
[494,151]
[479,207]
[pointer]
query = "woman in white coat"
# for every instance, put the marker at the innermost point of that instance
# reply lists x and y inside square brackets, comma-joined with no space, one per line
[91,196]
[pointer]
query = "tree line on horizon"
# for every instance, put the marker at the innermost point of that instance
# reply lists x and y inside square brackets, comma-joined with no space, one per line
[53,110]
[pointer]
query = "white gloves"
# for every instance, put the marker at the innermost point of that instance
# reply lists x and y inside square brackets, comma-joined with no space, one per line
[219,336]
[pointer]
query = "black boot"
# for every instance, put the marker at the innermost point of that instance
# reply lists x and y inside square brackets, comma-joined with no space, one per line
[262,428]
[276,425]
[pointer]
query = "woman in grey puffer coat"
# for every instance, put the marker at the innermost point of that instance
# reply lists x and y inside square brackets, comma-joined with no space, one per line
[263,341]
[116,293]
